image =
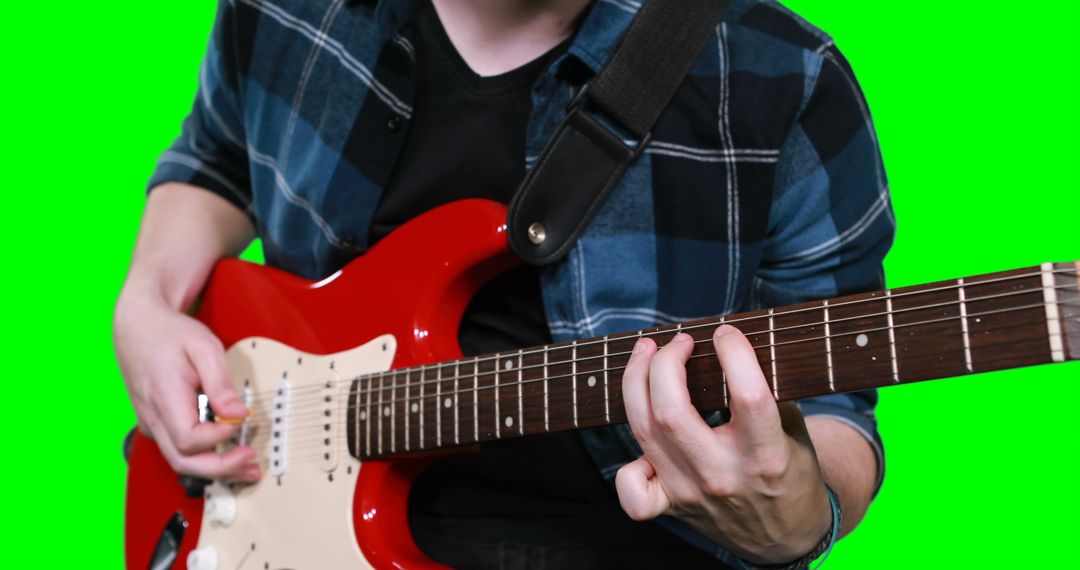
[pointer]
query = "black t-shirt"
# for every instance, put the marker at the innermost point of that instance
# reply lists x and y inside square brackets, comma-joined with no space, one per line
[536,500]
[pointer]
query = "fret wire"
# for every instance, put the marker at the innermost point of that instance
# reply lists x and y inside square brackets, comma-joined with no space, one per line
[497,422]
[772,356]
[393,412]
[356,410]
[367,418]
[828,347]
[547,427]
[573,377]
[380,423]
[438,406]
[723,375]
[422,407]
[521,407]
[964,325]
[876,329]
[407,411]
[476,399]
[607,402]
[833,321]
[457,375]
[892,336]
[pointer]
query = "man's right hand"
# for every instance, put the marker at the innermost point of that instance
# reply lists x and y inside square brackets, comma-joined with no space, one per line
[167,358]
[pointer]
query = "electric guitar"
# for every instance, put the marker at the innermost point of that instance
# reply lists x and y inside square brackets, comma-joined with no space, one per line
[350,376]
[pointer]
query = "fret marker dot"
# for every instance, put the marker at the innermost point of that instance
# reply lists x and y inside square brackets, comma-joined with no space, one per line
[509,421]
[509,364]
[862,340]
[415,407]
[592,381]
[363,415]
[386,411]
[446,403]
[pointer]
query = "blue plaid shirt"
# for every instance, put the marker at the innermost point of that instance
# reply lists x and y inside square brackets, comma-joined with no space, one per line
[762,186]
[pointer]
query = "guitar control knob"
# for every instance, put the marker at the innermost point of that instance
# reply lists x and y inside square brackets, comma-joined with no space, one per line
[220,509]
[204,558]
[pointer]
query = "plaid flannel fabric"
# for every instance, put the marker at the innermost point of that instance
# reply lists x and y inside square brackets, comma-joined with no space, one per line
[763,184]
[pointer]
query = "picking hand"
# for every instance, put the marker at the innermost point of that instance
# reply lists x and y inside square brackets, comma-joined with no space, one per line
[166,358]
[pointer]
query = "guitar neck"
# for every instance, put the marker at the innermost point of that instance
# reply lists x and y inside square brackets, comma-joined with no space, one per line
[996,321]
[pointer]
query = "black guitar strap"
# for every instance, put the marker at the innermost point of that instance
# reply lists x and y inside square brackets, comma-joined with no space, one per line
[585,158]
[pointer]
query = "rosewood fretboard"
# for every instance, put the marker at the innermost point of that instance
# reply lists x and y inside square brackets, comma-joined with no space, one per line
[990,322]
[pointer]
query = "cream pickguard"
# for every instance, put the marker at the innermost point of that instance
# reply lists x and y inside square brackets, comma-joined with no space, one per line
[299,515]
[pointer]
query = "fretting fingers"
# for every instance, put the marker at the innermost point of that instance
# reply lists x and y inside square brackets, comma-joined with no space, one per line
[670,400]
[753,408]
[640,492]
[635,390]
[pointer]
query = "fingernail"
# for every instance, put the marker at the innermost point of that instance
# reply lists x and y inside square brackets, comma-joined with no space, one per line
[683,337]
[724,330]
[639,346]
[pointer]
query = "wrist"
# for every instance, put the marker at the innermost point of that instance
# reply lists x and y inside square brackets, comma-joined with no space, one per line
[140,298]
[149,288]
[821,547]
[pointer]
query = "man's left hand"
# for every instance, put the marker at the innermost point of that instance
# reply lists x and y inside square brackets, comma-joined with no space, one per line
[753,484]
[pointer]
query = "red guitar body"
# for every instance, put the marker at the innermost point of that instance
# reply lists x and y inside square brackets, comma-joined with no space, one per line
[415,285]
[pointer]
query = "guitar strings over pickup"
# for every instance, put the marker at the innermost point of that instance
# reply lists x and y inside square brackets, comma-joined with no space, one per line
[242,438]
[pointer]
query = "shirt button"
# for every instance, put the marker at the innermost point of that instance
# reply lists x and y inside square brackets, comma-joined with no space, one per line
[393,124]
[348,243]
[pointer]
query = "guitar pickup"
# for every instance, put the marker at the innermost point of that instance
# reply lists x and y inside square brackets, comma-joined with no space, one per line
[279,429]
[328,443]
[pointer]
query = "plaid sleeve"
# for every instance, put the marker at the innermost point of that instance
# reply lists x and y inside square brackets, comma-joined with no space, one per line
[831,222]
[211,150]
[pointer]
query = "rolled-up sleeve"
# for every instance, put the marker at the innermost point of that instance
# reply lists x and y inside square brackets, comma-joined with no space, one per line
[831,221]
[211,151]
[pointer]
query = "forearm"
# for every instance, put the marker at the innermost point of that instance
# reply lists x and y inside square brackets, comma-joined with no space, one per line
[167,357]
[184,231]
[848,465]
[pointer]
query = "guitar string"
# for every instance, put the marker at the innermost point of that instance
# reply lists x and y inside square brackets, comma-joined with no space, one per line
[488,423]
[398,373]
[393,399]
[556,397]
[493,358]
[552,394]
[488,432]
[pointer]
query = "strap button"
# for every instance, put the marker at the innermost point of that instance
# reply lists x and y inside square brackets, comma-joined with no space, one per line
[537,233]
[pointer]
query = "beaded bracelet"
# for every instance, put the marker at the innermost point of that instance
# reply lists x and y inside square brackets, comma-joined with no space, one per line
[822,549]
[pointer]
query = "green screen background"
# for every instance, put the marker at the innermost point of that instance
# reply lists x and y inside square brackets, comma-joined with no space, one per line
[975,105]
